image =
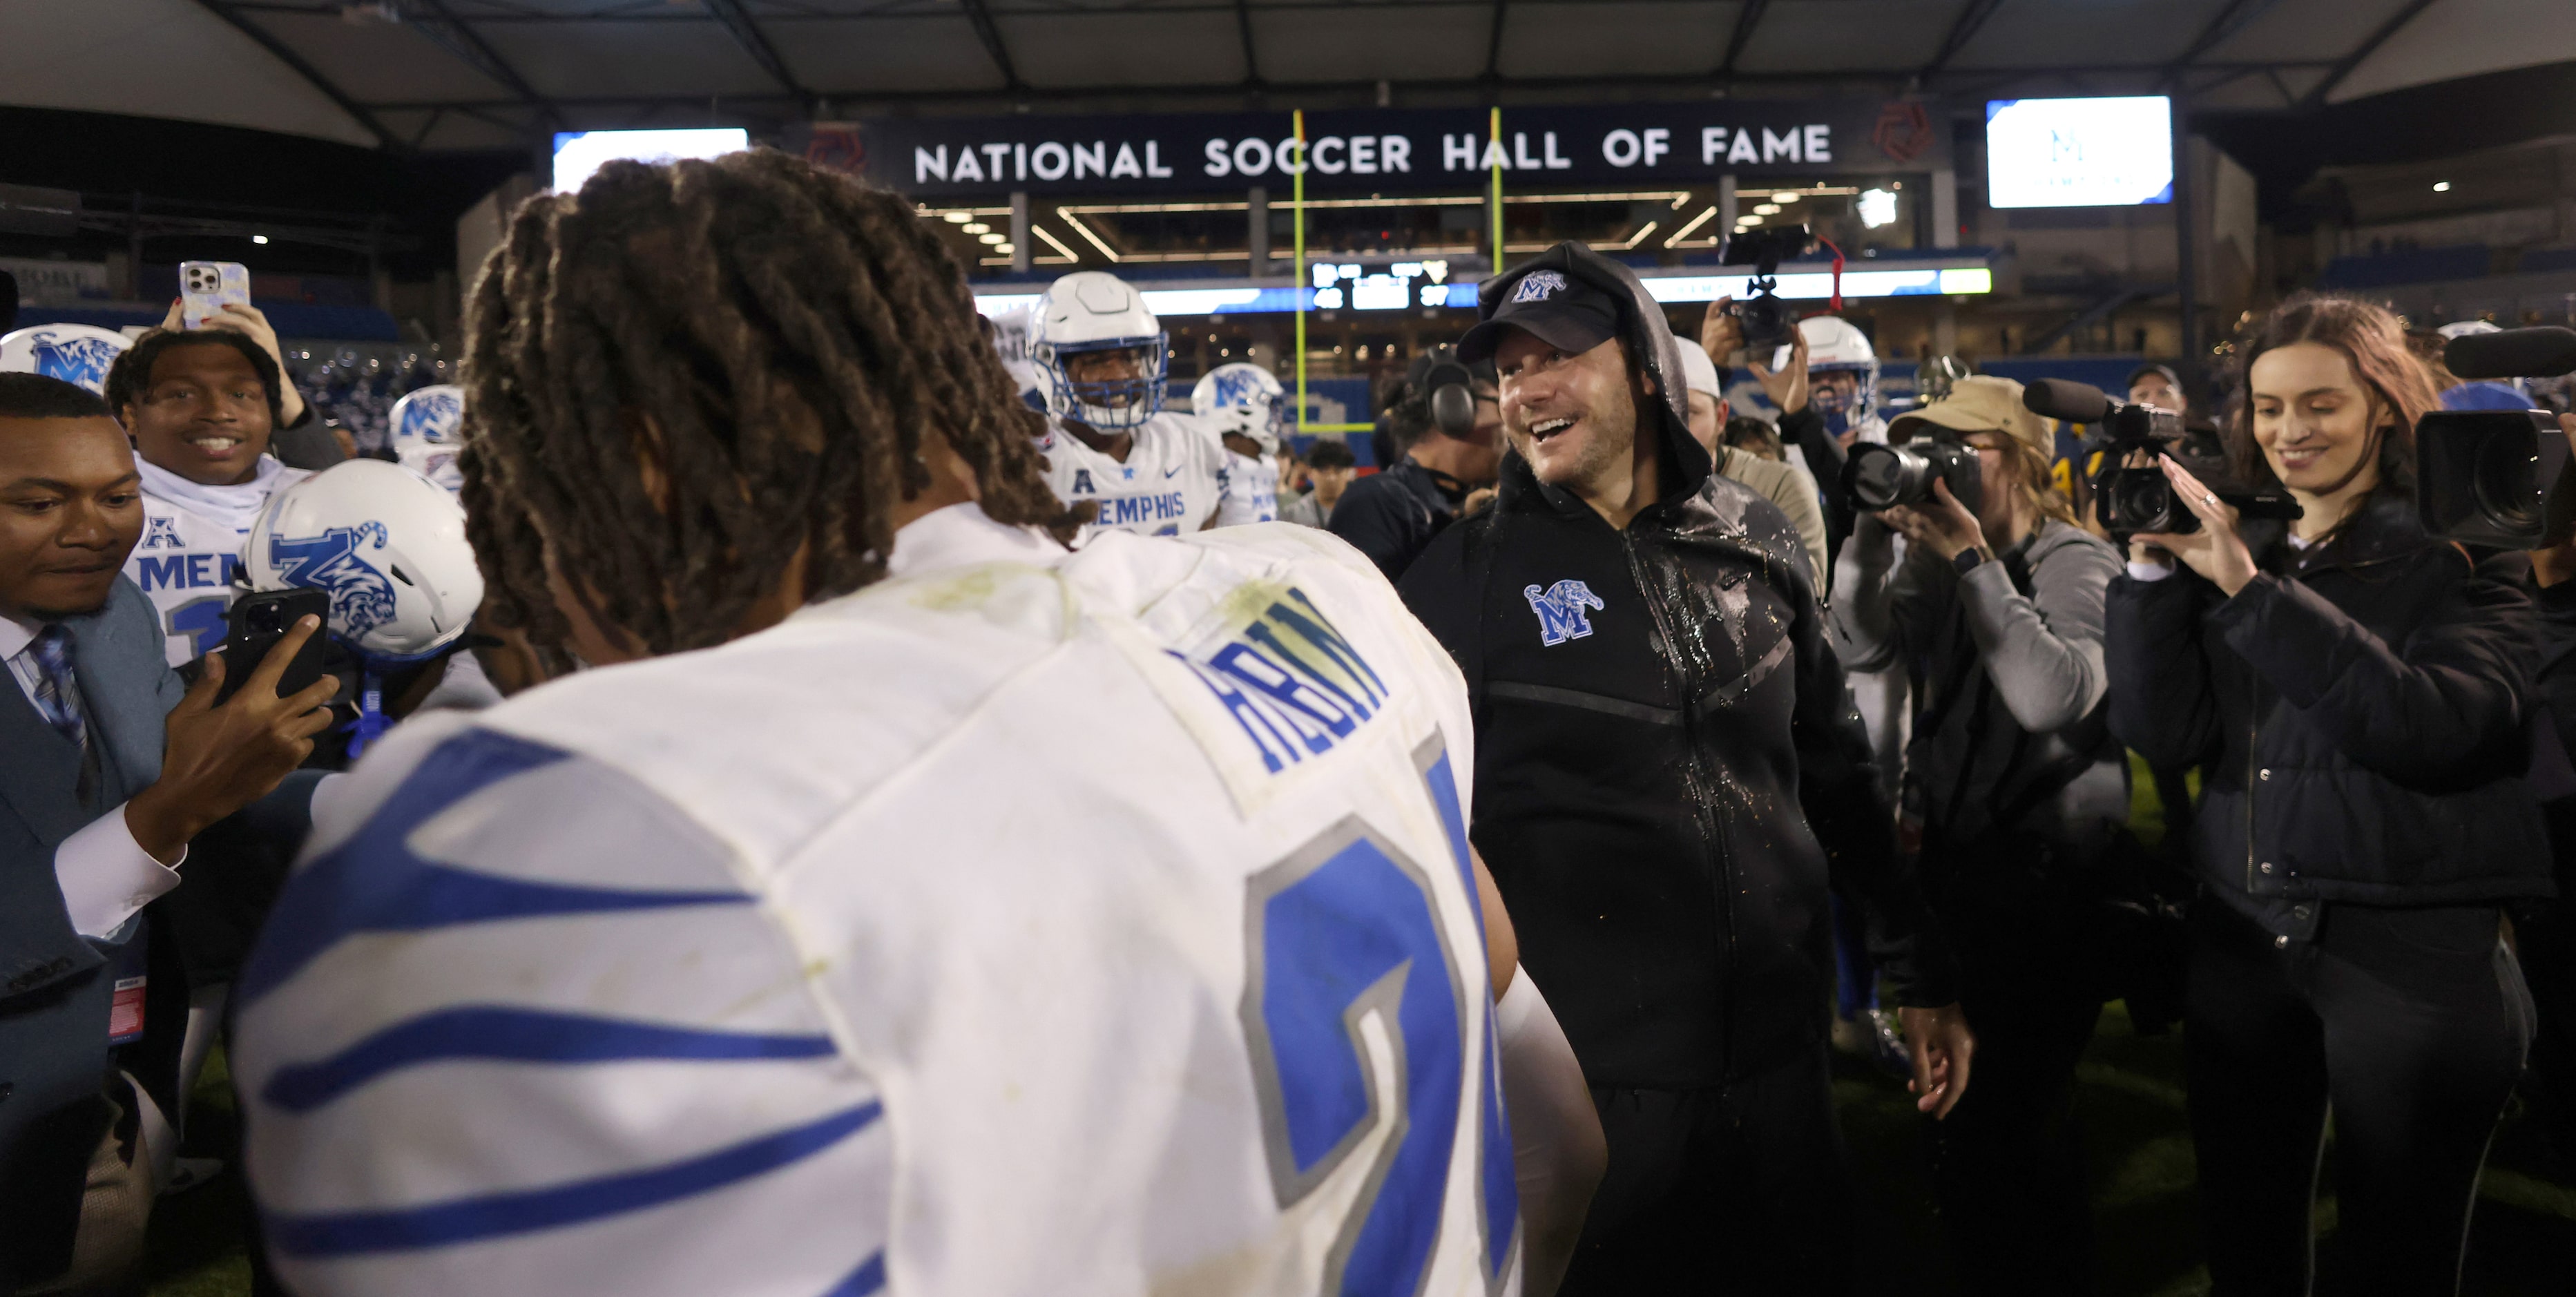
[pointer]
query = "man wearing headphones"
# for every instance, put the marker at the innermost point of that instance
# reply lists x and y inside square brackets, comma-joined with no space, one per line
[1449,435]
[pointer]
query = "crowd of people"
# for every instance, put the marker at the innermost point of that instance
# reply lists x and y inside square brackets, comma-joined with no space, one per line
[820,790]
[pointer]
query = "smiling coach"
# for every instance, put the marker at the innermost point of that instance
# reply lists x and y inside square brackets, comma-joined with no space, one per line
[1659,720]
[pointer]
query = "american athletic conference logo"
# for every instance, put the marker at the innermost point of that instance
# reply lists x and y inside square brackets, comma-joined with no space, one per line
[1538,285]
[362,598]
[1560,610]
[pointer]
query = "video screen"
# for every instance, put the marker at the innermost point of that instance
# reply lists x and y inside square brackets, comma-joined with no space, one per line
[2079,152]
[578,153]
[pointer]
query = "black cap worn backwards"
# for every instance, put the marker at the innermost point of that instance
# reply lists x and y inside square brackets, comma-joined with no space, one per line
[1567,314]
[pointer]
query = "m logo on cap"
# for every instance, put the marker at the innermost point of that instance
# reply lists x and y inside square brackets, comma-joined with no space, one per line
[1538,285]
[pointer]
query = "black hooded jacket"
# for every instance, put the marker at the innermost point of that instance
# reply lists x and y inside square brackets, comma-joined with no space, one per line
[2361,710]
[1660,719]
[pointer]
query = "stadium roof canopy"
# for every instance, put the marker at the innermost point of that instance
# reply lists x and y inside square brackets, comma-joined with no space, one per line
[484,74]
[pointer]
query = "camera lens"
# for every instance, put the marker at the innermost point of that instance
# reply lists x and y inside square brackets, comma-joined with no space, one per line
[2504,481]
[1882,477]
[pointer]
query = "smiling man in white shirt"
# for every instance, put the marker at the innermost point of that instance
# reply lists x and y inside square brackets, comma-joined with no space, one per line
[106,772]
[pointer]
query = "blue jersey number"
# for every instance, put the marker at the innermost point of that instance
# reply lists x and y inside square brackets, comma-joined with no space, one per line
[202,621]
[1343,931]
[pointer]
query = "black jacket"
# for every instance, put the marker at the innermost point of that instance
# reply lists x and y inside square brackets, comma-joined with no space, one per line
[2360,709]
[1651,754]
[1390,515]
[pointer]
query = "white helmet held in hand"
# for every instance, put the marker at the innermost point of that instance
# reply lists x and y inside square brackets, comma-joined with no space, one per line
[1087,313]
[428,427]
[1245,399]
[387,543]
[78,354]
[1836,345]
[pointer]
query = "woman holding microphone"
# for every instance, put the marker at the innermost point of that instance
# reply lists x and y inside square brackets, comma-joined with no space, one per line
[2356,689]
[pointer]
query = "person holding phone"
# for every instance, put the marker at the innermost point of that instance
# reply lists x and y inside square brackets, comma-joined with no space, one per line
[106,771]
[202,408]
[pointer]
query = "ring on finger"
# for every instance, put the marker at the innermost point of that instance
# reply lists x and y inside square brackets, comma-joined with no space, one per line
[2210,499]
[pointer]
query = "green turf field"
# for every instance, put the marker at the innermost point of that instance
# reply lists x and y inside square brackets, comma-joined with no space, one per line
[2146,1235]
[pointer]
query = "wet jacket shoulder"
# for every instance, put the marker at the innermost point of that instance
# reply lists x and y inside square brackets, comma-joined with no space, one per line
[1786,488]
[2361,707]
[1670,774]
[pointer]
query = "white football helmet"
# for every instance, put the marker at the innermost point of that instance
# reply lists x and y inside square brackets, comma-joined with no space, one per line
[1836,345]
[1095,311]
[390,547]
[74,353]
[432,415]
[1242,398]
[428,429]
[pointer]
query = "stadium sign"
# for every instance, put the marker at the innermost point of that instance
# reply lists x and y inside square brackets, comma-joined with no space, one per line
[1382,149]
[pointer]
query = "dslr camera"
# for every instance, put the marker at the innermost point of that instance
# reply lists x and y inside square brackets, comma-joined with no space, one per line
[1878,476]
[2133,500]
[1767,320]
[2498,477]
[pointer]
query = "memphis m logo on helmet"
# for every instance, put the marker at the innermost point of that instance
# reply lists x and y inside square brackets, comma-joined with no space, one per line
[362,598]
[432,415]
[1242,398]
[390,547]
[78,354]
[1087,321]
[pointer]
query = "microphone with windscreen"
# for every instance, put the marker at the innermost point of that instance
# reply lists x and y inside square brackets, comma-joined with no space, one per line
[2543,352]
[2498,477]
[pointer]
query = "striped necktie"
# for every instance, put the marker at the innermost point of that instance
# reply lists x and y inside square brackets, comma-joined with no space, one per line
[57,696]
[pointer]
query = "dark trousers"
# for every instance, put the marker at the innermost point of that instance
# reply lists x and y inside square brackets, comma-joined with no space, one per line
[2008,1162]
[1734,1189]
[2409,1025]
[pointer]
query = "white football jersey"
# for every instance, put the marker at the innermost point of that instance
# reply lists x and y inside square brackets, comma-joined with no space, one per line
[1172,484]
[1026,923]
[1251,490]
[186,562]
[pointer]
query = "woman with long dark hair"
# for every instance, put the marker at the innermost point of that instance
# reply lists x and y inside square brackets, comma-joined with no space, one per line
[2356,690]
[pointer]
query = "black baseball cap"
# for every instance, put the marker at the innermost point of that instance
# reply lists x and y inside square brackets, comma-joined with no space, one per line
[1564,313]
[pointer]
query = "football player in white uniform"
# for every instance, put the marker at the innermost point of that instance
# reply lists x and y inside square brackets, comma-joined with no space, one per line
[1246,407]
[966,916]
[1103,358]
[200,407]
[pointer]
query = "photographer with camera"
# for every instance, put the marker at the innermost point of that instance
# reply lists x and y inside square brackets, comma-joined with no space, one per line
[1996,610]
[2358,690]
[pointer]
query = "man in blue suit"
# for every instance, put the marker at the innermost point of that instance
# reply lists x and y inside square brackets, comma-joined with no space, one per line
[106,772]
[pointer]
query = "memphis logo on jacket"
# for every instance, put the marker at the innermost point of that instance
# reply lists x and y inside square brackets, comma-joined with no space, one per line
[362,597]
[1561,611]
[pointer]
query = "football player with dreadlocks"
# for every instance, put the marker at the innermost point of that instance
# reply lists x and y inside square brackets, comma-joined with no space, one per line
[1103,359]
[900,902]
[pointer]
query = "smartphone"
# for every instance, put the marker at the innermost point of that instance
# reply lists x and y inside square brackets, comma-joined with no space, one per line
[257,622]
[206,287]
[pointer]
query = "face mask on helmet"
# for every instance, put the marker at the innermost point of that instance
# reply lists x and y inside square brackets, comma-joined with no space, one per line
[1114,385]
[1101,351]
